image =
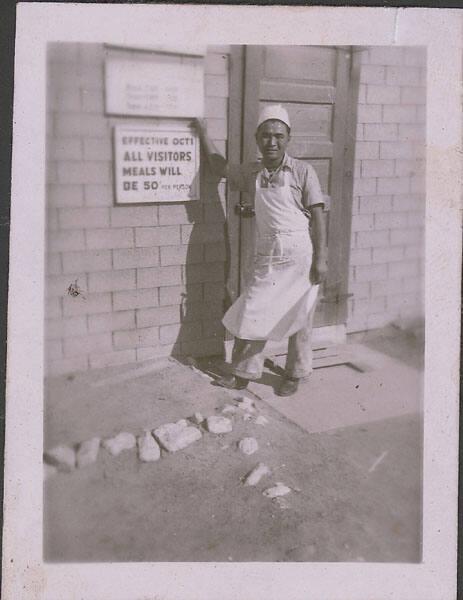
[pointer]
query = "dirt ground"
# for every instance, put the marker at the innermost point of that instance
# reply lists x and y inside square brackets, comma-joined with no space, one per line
[356,490]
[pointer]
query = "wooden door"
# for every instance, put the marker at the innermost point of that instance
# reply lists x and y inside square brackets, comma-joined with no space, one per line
[316,86]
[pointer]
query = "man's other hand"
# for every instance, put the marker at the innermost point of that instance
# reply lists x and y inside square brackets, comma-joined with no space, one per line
[318,271]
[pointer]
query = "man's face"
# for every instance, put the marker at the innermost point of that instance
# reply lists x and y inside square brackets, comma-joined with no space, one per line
[272,139]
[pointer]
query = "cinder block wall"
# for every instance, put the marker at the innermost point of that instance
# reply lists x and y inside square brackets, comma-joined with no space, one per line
[150,278]
[386,274]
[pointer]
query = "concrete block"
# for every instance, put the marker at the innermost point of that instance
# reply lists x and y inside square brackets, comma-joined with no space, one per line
[372,239]
[406,167]
[399,301]
[66,328]
[66,196]
[215,107]
[66,366]
[136,338]
[367,150]
[373,74]
[114,321]
[403,75]
[180,332]
[421,114]
[92,101]
[383,94]
[414,56]
[362,222]
[408,202]
[109,238]
[380,132]
[112,359]
[402,237]
[53,264]
[51,175]
[182,254]
[393,185]
[414,132]
[151,317]
[90,305]
[386,255]
[391,220]
[374,204]
[360,256]
[158,276]
[112,281]
[63,100]
[79,346]
[377,321]
[98,195]
[413,95]
[216,85]
[86,261]
[60,148]
[134,216]
[386,55]
[416,219]
[399,114]
[179,214]
[217,129]
[399,150]
[81,125]
[359,131]
[127,258]
[418,184]
[62,241]
[53,309]
[362,93]
[216,64]
[365,187]
[180,294]
[97,149]
[361,291]
[53,350]
[157,236]
[377,168]
[154,352]
[416,251]
[57,285]
[83,218]
[135,299]
[84,172]
[369,113]
[370,272]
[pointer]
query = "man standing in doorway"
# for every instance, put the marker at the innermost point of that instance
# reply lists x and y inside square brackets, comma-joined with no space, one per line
[289,259]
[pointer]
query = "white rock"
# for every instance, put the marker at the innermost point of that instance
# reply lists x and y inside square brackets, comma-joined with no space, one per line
[276,491]
[246,404]
[248,445]
[61,457]
[88,452]
[197,418]
[256,474]
[229,409]
[176,436]
[148,448]
[49,471]
[122,441]
[219,424]
[261,420]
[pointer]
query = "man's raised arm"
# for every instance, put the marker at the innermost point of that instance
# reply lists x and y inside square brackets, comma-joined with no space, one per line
[217,163]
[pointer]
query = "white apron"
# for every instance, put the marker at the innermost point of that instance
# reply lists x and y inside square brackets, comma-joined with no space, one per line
[277,300]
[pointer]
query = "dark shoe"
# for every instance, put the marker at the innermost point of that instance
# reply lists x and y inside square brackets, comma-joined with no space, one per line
[232,382]
[288,387]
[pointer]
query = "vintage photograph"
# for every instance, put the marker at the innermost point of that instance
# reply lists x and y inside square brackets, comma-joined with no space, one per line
[234,318]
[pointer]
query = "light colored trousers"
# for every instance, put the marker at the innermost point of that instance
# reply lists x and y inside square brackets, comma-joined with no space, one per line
[248,356]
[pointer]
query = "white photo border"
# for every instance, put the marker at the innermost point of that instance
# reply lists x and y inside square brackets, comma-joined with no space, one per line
[24,573]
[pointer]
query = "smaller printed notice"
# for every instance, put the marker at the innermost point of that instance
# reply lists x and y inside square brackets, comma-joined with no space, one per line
[156,164]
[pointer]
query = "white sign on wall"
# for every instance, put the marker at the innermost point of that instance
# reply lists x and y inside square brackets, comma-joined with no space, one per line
[156,164]
[158,85]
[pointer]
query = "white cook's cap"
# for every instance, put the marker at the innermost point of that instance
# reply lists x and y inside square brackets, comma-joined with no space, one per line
[273,111]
